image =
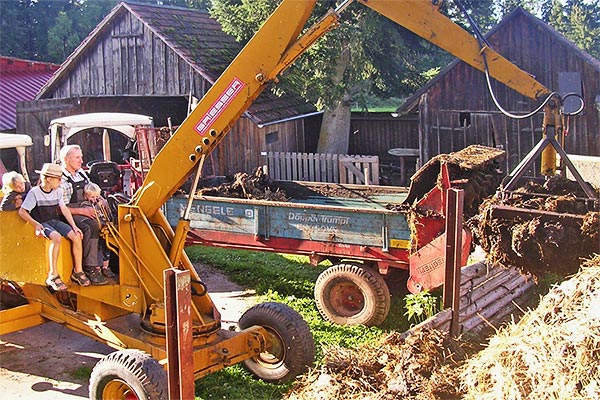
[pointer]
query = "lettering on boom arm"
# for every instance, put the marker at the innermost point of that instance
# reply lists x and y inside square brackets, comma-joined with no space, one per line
[217,108]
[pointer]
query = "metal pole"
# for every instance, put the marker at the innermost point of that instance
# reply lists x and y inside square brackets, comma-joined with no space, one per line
[178,321]
[454,217]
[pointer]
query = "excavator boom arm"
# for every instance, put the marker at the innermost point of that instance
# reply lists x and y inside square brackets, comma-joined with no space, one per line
[276,46]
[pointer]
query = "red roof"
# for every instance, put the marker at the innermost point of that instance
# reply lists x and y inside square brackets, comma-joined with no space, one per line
[20,80]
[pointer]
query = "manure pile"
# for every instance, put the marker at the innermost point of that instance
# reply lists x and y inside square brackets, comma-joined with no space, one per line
[257,186]
[541,244]
[418,367]
[552,353]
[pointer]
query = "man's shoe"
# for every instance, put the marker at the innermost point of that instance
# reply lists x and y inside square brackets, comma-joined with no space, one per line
[95,276]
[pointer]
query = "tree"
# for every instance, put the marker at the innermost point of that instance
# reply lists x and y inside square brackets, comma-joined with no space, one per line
[47,30]
[579,21]
[345,66]
[62,38]
[14,37]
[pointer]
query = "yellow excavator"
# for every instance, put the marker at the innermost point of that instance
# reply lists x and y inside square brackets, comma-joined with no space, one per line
[138,314]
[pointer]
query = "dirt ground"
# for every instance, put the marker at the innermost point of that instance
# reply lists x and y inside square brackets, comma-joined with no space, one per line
[52,362]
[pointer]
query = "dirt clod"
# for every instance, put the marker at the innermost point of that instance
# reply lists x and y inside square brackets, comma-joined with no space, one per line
[257,186]
[419,367]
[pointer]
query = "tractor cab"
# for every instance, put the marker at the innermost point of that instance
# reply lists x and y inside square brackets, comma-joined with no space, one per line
[12,153]
[109,144]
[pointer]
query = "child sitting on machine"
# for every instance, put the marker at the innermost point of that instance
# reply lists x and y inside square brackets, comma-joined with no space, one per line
[41,209]
[15,188]
[94,199]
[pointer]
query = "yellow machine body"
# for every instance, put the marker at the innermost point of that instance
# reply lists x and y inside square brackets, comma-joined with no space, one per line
[141,237]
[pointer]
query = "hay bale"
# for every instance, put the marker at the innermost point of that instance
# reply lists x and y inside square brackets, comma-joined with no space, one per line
[552,353]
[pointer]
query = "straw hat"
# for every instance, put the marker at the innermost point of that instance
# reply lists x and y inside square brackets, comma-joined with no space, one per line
[52,170]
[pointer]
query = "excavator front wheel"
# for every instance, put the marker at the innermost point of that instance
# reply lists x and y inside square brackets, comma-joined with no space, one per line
[128,375]
[352,294]
[290,346]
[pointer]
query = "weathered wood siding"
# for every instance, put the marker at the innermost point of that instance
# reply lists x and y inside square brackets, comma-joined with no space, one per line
[129,69]
[375,133]
[129,59]
[240,149]
[537,50]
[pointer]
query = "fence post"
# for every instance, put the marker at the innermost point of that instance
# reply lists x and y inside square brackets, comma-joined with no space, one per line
[454,217]
[180,369]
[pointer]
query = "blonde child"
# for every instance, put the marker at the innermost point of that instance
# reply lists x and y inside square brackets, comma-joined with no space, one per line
[93,198]
[15,188]
[41,209]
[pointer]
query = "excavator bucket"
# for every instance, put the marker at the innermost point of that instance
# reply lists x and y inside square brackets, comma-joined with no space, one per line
[541,228]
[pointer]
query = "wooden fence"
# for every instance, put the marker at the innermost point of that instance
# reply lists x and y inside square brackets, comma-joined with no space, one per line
[320,167]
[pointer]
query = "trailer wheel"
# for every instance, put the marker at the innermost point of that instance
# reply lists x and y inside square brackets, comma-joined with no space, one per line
[290,345]
[352,294]
[128,374]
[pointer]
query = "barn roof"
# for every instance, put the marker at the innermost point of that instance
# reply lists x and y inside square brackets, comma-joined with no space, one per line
[200,41]
[412,102]
[20,80]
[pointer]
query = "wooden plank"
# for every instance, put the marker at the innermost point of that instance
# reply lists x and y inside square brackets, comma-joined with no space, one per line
[304,166]
[375,172]
[322,168]
[297,166]
[270,163]
[288,167]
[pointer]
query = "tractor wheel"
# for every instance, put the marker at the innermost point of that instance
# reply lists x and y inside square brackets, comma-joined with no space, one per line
[352,294]
[290,345]
[128,374]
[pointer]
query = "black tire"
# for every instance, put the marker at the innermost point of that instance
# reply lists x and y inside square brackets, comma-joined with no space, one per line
[127,373]
[352,294]
[291,347]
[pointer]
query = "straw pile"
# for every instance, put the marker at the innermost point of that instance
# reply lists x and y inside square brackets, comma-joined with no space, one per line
[552,353]
[419,367]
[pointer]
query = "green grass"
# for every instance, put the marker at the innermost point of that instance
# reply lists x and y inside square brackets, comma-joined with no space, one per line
[82,373]
[287,279]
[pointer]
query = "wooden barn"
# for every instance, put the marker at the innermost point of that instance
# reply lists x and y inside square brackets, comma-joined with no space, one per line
[455,109]
[153,60]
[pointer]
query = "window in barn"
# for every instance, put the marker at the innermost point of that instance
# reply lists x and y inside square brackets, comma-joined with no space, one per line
[272,137]
[570,82]
[465,119]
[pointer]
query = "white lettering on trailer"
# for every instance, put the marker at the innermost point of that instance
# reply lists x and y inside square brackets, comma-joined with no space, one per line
[213,210]
[313,223]
[318,218]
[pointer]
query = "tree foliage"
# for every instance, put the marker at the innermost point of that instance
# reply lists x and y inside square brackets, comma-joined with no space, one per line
[367,56]
[579,21]
[47,30]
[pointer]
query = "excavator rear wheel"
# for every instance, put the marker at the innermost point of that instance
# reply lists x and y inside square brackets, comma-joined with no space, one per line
[352,294]
[290,346]
[128,375]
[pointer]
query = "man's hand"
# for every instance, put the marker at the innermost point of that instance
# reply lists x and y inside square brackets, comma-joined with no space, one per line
[88,212]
